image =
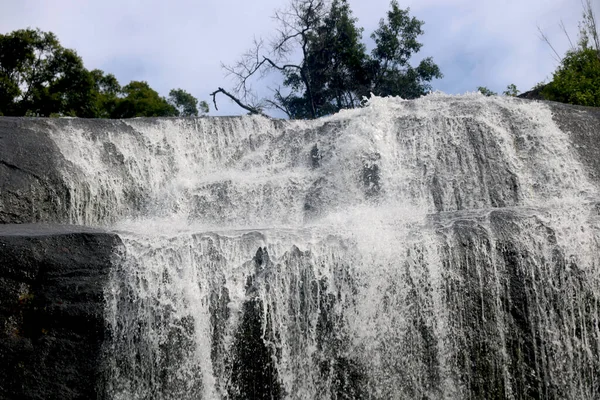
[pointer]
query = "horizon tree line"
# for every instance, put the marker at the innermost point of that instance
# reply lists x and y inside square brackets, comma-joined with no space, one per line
[317,54]
[39,77]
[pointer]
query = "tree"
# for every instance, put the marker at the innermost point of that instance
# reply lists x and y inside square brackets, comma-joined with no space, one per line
[140,100]
[40,77]
[106,92]
[333,65]
[396,42]
[298,24]
[577,80]
[71,90]
[186,104]
[485,91]
[334,70]
[588,29]
[511,90]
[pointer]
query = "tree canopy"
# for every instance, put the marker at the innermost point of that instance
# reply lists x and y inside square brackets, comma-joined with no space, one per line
[325,65]
[577,78]
[39,77]
[486,91]
[186,104]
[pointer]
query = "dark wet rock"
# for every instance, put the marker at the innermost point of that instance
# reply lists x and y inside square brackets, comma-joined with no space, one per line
[52,311]
[315,157]
[582,124]
[316,199]
[31,187]
[371,175]
[253,371]
[533,94]
[501,293]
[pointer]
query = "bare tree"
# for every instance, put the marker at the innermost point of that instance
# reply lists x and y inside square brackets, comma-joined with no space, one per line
[588,27]
[588,32]
[318,50]
[296,23]
[252,109]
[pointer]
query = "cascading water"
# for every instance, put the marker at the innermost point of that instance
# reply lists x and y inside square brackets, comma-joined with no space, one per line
[442,248]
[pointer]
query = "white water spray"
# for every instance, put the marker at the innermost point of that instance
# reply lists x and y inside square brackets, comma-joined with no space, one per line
[444,247]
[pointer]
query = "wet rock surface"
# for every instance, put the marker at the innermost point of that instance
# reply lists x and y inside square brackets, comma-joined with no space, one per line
[495,300]
[582,124]
[31,186]
[52,328]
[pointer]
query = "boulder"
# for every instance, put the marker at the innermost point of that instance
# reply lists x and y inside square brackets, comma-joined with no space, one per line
[52,329]
[31,186]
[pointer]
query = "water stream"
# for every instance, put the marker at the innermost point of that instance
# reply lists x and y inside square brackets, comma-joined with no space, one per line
[442,248]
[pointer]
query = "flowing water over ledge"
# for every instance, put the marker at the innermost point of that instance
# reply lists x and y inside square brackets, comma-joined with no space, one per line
[442,248]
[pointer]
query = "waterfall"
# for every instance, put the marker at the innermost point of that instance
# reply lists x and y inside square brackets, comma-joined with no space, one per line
[440,248]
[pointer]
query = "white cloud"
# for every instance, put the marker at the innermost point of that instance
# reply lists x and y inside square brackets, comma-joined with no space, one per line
[182,43]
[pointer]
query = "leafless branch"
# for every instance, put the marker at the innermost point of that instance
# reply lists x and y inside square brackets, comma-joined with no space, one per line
[295,24]
[247,107]
[543,36]
[590,24]
[280,102]
[564,29]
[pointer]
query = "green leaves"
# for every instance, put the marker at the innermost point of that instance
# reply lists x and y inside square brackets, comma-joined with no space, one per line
[333,66]
[142,101]
[337,72]
[186,104]
[106,93]
[26,70]
[511,90]
[577,80]
[38,77]
[485,91]
[396,38]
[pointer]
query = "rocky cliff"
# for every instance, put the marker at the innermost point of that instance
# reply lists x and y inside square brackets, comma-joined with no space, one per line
[446,247]
[52,325]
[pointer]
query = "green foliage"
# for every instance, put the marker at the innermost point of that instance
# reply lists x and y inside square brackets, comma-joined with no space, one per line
[511,90]
[203,107]
[396,42]
[347,73]
[485,91]
[332,73]
[577,79]
[38,77]
[106,93]
[186,104]
[335,70]
[142,101]
[588,29]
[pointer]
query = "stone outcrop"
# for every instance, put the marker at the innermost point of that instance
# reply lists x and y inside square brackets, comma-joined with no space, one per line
[52,328]
[582,124]
[31,186]
[53,279]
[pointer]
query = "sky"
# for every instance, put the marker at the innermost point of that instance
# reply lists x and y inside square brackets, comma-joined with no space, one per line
[182,43]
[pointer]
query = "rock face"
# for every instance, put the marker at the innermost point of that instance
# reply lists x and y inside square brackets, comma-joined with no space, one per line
[583,126]
[441,248]
[52,311]
[31,186]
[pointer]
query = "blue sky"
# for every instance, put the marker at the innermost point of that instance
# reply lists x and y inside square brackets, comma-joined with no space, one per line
[181,43]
